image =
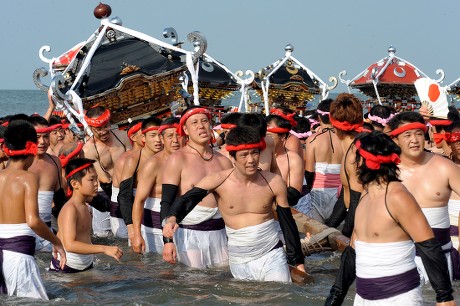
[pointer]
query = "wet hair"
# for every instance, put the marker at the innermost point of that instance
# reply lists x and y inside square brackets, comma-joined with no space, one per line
[405,117]
[254,120]
[151,121]
[377,143]
[38,120]
[54,120]
[347,107]
[380,111]
[95,112]
[303,125]
[74,164]
[325,106]
[17,134]
[280,122]
[242,135]
[231,118]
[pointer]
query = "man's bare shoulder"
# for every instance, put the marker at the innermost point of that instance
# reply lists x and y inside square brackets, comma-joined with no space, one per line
[20,175]
[223,160]
[89,149]
[271,177]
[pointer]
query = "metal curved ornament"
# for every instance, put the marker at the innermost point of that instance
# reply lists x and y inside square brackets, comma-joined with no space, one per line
[341,75]
[374,73]
[36,75]
[111,35]
[334,82]
[291,69]
[207,67]
[441,78]
[56,83]
[399,74]
[42,57]
[171,33]
[199,41]
[248,80]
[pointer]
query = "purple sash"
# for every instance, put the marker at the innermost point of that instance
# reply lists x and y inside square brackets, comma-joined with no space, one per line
[21,244]
[454,230]
[151,219]
[67,269]
[115,211]
[442,235]
[388,286]
[208,225]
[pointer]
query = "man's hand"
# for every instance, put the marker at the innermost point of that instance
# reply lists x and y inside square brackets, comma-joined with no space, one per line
[170,227]
[138,243]
[301,267]
[169,253]
[113,251]
[63,258]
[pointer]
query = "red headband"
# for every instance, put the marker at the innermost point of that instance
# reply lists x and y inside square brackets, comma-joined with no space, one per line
[5,123]
[134,129]
[65,159]
[440,122]
[48,129]
[66,125]
[228,126]
[247,146]
[188,114]
[102,120]
[373,162]
[78,170]
[167,126]
[277,130]
[2,140]
[408,127]
[290,117]
[152,128]
[346,126]
[453,137]
[30,149]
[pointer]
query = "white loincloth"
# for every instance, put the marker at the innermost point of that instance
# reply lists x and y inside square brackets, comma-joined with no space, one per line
[118,226]
[100,220]
[78,261]
[20,271]
[454,209]
[253,256]
[45,203]
[374,260]
[153,237]
[201,249]
[437,217]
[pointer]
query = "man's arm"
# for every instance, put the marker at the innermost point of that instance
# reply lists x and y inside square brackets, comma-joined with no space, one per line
[295,179]
[171,177]
[125,196]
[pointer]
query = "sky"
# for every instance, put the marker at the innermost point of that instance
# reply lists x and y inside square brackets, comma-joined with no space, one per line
[328,36]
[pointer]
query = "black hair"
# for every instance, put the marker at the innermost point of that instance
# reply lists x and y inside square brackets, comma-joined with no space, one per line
[18,117]
[314,116]
[324,106]
[17,134]
[38,120]
[453,126]
[151,121]
[133,123]
[170,120]
[2,131]
[231,118]
[74,164]
[368,126]
[377,143]
[254,120]
[54,120]
[303,125]
[405,117]
[242,135]
[381,111]
[189,108]
[453,114]
[280,122]
[95,112]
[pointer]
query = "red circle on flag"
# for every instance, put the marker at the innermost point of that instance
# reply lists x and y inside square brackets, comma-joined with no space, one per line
[433,92]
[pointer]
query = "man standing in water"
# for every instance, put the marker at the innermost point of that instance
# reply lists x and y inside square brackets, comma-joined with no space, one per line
[201,239]
[245,196]
[106,146]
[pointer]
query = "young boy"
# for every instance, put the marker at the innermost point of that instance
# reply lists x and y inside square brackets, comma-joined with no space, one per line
[19,218]
[75,220]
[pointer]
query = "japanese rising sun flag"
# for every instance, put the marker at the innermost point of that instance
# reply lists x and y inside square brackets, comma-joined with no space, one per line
[433,97]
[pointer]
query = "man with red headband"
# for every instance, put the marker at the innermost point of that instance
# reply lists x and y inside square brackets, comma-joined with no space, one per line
[255,251]
[291,143]
[130,176]
[146,224]
[19,216]
[106,146]
[201,240]
[49,171]
[56,135]
[3,157]
[430,178]
[346,116]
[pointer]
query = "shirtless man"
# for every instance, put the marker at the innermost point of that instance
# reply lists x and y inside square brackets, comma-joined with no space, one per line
[105,146]
[130,176]
[346,116]
[146,225]
[255,252]
[390,226]
[3,157]
[322,168]
[134,133]
[56,135]
[430,178]
[75,220]
[50,181]
[291,143]
[183,169]
[20,222]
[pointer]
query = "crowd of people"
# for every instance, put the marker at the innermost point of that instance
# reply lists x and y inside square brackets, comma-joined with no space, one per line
[220,196]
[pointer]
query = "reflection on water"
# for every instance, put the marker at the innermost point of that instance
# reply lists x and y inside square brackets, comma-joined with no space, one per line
[148,280]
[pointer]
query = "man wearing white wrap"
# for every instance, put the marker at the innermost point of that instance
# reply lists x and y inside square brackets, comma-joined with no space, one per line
[245,197]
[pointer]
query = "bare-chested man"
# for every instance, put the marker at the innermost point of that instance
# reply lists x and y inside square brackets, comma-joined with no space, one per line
[3,157]
[56,135]
[245,196]
[106,146]
[346,116]
[430,178]
[323,159]
[146,224]
[20,222]
[389,228]
[50,181]
[201,240]
[291,143]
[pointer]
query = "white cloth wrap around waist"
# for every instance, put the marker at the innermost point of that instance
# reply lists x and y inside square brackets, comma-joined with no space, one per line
[78,261]
[45,202]
[454,209]
[14,230]
[437,217]
[115,191]
[200,214]
[252,242]
[326,168]
[152,204]
[384,259]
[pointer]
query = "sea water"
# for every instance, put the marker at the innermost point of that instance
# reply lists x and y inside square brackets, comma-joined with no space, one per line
[149,280]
